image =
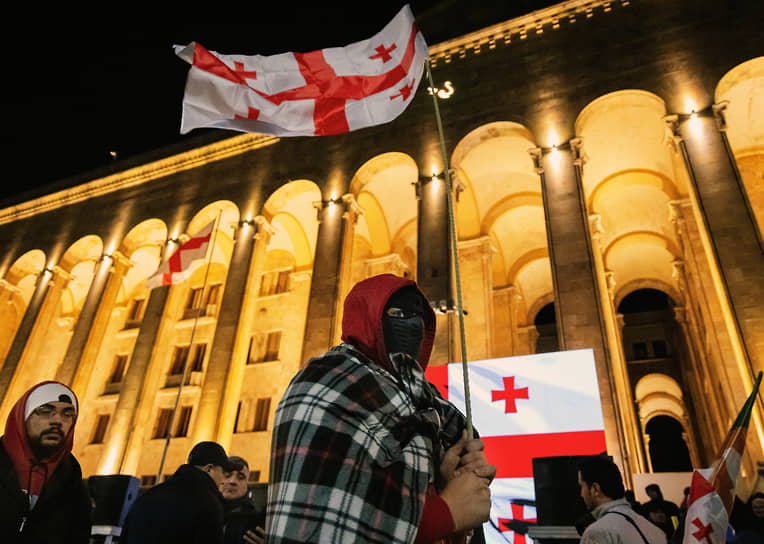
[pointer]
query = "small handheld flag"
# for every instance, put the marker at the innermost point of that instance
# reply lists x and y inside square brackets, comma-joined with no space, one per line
[177,267]
[712,491]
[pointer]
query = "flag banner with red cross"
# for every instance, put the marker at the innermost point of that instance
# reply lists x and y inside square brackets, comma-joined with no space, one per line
[329,91]
[712,490]
[177,267]
[542,405]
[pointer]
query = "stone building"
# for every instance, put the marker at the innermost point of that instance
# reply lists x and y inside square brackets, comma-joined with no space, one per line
[607,158]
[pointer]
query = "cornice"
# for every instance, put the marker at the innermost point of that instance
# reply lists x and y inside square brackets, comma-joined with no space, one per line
[519,28]
[136,176]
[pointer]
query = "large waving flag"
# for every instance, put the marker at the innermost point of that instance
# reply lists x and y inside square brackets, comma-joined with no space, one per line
[712,491]
[328,91]
[541,405]
[177,267]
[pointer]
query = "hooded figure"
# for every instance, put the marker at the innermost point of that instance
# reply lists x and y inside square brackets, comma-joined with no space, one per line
[44,497]
[364,449]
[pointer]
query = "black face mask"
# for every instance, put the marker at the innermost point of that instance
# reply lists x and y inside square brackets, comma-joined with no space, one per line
[403,323]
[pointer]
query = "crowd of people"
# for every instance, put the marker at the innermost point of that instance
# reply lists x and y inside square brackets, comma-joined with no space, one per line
[364,449]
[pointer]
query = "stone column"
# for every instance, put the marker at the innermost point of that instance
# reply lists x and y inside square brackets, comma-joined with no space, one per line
[244,333]
[476,271]
[220,359]
[434,267]
[123,422]
[8,292]
[349,220]
[92,321]
[734,242]
[624,393]
[325,280]
[48,311]
[580,322]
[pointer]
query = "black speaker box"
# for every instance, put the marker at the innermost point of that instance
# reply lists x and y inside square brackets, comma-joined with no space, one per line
[112,496]
[558,498]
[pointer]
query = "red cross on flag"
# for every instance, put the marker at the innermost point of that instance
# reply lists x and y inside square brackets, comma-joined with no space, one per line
[177,267]
[541,405]
[712,490]
[329,91]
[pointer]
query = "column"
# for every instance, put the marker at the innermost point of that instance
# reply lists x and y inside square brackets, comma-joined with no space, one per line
[91,323]
[433,245]
[325,280]
[8,292]
[477,292]
[732,242]
[48,311]
[247,317]
[733,238]
[580,323]
[624,393]
[349,220]
[123,421]
[23,331]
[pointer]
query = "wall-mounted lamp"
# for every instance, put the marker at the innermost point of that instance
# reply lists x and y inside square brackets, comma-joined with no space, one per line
[446,92]
[321,204]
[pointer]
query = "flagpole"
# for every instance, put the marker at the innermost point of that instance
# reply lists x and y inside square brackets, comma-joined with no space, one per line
[454,252]
[188,355]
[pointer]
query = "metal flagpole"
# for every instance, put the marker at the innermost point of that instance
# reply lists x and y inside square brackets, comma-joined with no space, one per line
[454,252]
[188,355]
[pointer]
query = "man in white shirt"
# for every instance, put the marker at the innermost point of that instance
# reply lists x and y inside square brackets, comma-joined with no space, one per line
[616,523]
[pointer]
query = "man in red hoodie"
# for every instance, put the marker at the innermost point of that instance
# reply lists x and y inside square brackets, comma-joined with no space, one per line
[44,499]
[364,448]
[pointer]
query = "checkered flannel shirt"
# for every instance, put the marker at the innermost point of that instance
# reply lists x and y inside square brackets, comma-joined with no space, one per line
[352,456]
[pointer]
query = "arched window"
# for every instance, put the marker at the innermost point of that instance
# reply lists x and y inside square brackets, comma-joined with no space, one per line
[668,450]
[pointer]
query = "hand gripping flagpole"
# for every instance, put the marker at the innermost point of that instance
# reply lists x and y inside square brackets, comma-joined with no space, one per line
[210,249]
[454,252]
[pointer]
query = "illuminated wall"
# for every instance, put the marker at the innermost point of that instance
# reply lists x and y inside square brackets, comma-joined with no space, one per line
[582,176]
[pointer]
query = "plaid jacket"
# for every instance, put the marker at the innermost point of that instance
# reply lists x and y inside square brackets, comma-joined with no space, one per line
[353,451]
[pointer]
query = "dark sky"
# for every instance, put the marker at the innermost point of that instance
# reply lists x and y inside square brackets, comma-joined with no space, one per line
[74,92]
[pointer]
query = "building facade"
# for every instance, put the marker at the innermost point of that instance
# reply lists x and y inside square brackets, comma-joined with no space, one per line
[608,163]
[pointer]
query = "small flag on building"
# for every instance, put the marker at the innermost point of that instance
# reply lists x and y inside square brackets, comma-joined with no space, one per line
[329,91]
[177,267]
[712,491]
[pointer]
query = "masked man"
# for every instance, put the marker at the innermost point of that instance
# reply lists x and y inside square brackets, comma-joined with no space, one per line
[42,493]
[364,448]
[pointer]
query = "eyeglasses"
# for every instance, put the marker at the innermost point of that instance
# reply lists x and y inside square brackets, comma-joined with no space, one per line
[398,313]
[47,411]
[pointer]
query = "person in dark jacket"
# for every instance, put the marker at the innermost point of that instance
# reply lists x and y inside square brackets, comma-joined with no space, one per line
[243,524]
[187,508]
[747,520]
[43,497]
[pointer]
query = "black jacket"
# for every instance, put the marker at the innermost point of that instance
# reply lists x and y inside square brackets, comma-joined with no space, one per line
[240,515]
[186,509]
[61,514]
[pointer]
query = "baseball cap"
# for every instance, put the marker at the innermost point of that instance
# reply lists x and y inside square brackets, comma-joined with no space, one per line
[49,392]
[209,453]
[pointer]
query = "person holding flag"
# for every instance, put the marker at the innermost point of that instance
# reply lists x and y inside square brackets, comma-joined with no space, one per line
[712,490]
[364,448]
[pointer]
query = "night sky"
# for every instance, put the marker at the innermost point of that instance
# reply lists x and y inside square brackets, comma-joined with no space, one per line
[75,92]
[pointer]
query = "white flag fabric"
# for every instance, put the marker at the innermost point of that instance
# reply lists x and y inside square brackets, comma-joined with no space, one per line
[329,91]
[707,520]
[177,267]
[542,405]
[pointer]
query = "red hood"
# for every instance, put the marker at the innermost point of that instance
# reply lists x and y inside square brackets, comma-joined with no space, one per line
[32,473]
[362,318]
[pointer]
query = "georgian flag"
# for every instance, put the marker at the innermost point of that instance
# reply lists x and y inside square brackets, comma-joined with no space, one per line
[712,490]
[177,267]
[329,91]
[541,405]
